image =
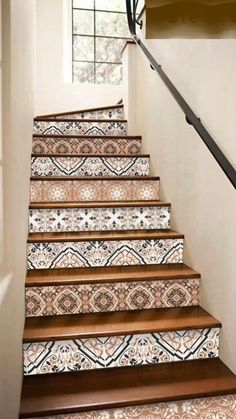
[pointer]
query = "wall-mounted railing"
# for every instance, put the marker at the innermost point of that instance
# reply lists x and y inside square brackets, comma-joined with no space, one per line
[191,117]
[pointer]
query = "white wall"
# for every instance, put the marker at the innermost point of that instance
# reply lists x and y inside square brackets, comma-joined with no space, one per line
[203,200]
[54,89]
[17,114]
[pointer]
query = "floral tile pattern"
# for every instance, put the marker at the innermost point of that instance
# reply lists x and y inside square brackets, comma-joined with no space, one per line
[98,219]
[79,127]
[121,296]
[120,351]
[104,253]
[89,166]
[80,145]
[94,190]
[109,113]
[220,407]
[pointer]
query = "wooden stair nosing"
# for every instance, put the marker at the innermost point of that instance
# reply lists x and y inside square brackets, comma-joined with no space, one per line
[103,324]
[91,137]
[94,178]
[104,235]
[51,394]
[91,120]
[103,108]
[113,156]
[73,276]
[98,204]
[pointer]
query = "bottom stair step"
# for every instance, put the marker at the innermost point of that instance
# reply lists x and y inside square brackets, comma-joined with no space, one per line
[110,388]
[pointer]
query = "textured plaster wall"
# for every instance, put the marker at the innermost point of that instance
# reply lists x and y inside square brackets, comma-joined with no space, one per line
[16,137]
[203,200]
[54,89]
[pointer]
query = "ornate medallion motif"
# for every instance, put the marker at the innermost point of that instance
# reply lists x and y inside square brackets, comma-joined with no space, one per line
[104,253]
[120,351]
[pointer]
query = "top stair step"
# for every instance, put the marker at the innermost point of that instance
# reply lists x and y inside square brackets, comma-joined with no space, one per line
[104,112]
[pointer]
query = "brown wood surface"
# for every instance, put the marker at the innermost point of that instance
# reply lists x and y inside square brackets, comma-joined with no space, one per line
[91,137]
[72,276]
[79,120]
[93,178]
[104,235]
[103,108]
[78,326]
[116,387]
[99,204]
[113,156]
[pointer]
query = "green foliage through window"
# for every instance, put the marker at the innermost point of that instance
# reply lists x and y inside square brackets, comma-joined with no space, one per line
[100,31]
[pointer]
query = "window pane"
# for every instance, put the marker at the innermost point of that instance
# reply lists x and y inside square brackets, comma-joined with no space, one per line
[83,48]
[108,73]
[113,5]
[111,24]
[109,49]
[83,22]
[83,4]
[83,72]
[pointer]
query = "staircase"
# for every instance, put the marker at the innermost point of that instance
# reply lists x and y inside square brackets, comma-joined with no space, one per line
[112,312]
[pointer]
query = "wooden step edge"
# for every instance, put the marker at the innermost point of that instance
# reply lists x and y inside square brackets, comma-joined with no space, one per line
[98,204]
[77,276]
[90,137]
[112,156]
[104,235]
[74,276]
[109,388]
[122,323]
[94,178]
[103,108]
[81,120]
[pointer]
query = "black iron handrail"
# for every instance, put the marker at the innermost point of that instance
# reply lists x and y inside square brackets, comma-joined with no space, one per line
[191,117]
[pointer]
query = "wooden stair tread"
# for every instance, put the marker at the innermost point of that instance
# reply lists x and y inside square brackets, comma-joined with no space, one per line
[117,387]
[104,235]
[70,276]
[94,178]
[116,323]
[102,155]
[90,120]
[99,204]
[91,137]
[103,108]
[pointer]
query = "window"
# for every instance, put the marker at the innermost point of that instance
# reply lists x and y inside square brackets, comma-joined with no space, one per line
[100,31]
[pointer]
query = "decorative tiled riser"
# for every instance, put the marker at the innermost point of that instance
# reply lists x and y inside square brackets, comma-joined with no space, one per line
[94,190]
[98,219]
[51,145]
[111,113]
[94,298]
[80,127]
[220,407]
[104,253]
[90,166]
[120,351]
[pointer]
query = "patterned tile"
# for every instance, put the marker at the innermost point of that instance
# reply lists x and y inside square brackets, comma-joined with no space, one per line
[110,113]
[94,298]
[104,253]
[80,127]
[98,219]
[120,351]
[90,166]
[94,190]
[96,145]
[220,407]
